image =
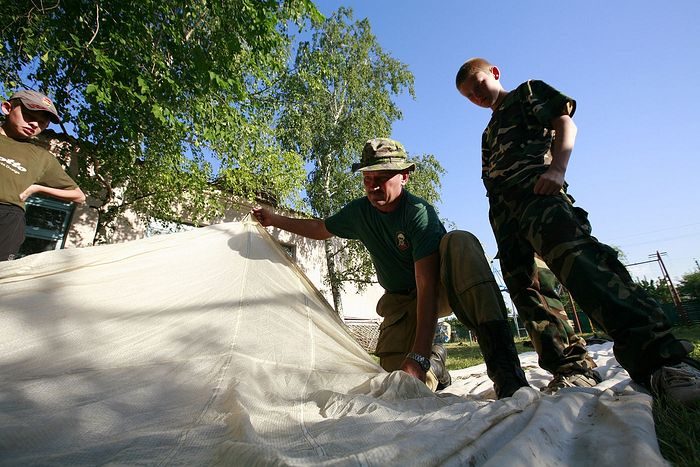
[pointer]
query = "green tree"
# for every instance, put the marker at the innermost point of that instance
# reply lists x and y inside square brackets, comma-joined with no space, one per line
[458,328]
[620,254]
[161,97]
[338,95]
[689,287]
[657,289]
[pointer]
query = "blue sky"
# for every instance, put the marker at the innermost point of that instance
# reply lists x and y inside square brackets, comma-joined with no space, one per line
[632,68]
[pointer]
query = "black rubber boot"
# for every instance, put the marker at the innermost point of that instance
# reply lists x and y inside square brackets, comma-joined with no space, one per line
[438,357]
[501,357]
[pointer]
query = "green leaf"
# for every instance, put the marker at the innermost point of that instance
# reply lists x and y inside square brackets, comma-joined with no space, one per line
[158,95]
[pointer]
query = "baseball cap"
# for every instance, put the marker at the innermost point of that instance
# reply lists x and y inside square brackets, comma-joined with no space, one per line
[383,154]
[37,101]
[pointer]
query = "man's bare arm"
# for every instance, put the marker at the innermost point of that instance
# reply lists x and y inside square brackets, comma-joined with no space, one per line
[309,228]
[72,194]
[427,282]
[552,180]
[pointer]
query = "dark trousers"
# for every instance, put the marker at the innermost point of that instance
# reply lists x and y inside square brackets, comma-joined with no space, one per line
[11,230]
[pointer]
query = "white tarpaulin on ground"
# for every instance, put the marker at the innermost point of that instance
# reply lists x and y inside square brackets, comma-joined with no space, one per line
[209,347]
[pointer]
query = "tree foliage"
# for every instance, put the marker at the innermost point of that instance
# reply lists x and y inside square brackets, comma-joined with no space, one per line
[657,289]
[155,90]
[620,254]
[339,94]
[689,287]
[165,100]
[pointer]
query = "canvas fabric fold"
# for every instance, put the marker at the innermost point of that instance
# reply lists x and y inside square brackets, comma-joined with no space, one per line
[210,347]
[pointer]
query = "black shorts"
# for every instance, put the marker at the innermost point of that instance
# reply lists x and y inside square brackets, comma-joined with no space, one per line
[11,230]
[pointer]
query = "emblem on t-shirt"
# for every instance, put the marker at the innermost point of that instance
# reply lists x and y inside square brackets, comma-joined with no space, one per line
[12,164]
[401,241]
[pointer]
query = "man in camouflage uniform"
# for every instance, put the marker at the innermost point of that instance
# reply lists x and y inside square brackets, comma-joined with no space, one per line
[531,213]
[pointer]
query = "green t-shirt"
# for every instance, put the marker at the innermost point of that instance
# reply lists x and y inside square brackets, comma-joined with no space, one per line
[23,164]
[519,136]
[395,240]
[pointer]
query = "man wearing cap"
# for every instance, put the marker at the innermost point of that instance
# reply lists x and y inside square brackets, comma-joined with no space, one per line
[425,271]
[27,169]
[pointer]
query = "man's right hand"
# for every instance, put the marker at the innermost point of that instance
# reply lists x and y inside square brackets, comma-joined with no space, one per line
[414,369]
[263,215]
[309,228]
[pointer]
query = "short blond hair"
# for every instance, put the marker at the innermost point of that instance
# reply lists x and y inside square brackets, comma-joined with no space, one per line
[470,67]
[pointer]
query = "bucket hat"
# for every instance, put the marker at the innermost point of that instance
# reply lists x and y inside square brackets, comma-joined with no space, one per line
[383,154]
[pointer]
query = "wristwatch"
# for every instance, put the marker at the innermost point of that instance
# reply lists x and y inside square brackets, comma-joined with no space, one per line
[420,360]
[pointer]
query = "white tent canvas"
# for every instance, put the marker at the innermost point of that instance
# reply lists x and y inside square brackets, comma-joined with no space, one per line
[210,347]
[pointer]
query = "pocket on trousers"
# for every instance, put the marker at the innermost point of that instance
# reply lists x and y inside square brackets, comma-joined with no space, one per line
[582,217]
[398,329]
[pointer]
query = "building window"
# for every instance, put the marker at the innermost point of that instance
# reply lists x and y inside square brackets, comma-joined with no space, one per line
[48,220]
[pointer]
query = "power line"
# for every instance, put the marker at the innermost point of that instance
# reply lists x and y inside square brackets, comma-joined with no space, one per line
[661,239]
[660,230]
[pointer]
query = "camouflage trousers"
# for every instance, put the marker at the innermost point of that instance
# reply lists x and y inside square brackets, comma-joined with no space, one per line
[573,344]
[525,224]
[548,288]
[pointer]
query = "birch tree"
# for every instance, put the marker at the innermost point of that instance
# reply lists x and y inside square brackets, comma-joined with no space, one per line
[339,93]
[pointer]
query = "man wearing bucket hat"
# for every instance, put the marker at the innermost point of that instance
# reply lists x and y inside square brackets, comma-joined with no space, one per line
[27,169]
[425,271]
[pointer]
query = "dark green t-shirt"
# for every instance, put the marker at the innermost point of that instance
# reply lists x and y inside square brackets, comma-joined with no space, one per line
[519,136]
[23,164]
[395,240]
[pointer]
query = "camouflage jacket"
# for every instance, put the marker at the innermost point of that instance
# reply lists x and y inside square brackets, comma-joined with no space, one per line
[516,142]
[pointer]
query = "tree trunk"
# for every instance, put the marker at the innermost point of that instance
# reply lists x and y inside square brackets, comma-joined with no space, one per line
[105,221]
[335,286]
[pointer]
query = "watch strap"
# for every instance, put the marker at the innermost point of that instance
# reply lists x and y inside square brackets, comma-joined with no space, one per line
[420,360]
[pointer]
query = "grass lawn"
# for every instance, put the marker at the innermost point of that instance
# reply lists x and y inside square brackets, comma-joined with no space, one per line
[677,427]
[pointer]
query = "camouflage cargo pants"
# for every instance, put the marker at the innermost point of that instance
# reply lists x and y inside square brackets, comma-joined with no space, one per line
[548,288]
[525,224]
[574,345]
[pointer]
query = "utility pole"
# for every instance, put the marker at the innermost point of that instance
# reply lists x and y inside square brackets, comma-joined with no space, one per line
[575,312]
[674,293]
[667,278]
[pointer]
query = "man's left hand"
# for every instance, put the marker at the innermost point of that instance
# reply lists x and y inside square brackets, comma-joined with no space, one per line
[29,192]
